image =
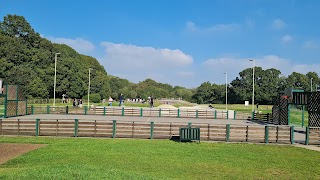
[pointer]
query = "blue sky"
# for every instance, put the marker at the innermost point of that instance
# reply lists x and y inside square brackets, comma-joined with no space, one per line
[181,42]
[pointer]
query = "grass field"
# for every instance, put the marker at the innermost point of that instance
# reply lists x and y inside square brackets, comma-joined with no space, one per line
[97,158]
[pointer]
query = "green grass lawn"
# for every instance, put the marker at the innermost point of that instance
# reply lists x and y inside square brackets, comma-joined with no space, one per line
[99,158]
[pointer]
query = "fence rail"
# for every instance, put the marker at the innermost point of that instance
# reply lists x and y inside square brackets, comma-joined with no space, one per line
[140,112]
[150,130]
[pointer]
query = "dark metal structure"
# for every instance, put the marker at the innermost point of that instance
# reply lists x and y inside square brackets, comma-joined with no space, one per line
[281,109]
[15,103]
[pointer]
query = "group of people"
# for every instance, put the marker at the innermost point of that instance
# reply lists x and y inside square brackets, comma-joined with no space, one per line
[121,101]
[77,103]
[110,101]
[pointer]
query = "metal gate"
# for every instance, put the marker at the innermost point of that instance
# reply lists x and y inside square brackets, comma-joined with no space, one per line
[280,111]
[15,103]
[314,109]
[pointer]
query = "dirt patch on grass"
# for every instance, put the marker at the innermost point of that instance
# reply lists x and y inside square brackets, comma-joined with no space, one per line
[12,150]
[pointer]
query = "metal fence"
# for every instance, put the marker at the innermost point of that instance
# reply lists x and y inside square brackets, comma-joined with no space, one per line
[140,112]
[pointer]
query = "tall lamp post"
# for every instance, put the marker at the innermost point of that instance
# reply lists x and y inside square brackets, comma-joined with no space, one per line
[55,79]
[311,83]
[89,87]
[226,90]
[254,64]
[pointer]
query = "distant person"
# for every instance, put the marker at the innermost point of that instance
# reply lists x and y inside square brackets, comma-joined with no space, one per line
[110,101]
[63,98]
[257,105]
[120,99]
[151,101]
[74,102]
[80,103]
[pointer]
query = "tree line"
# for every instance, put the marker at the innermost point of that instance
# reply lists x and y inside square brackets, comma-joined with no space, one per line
[27,59]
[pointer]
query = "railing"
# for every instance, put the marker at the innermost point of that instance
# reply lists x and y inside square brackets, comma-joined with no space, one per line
[142,112]
[312,136]
[149,130]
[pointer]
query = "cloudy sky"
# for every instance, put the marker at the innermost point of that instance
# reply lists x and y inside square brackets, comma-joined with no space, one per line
[181,42]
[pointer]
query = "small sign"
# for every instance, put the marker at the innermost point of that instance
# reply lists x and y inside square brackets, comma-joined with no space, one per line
[246,103]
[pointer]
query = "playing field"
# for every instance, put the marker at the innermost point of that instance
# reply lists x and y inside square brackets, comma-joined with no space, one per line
[100,158]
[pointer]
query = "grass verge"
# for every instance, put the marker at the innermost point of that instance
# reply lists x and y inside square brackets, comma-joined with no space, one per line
[98,158]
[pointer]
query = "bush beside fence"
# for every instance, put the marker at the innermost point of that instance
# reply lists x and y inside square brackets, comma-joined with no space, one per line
[140,130]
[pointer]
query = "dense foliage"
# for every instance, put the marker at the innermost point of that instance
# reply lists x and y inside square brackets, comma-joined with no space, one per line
[28,59]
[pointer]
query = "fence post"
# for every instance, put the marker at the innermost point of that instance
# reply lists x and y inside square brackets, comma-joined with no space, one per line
[67,109]
[37,126]
[189,124]
[85,110]
[114,128]
[292,134]
[76,121]
[197,113]
[215,114]
[227,132]
[302,124]
[48,109]
[141,112]
[151,130]
[234,115]
[159,112]
[104,110]
[32,109]
[277,134]
[122,112]
[307,135]
[227,114]
[289,120]
[252,116]
[178,113]
[266,134]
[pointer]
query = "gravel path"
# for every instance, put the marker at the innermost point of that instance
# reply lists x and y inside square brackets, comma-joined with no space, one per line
[13,150]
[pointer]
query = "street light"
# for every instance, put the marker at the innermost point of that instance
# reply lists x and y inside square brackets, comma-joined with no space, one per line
[311,83]
[55,79]
[226,90]
[89,87]
[254,64]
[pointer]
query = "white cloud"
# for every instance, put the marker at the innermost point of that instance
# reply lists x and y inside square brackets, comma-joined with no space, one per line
[79,44]
[137,63]
[286,39]
[216,67]
[191,26]
[310,45]
[278,24]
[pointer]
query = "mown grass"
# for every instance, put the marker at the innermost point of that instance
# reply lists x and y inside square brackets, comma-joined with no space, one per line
[94,158]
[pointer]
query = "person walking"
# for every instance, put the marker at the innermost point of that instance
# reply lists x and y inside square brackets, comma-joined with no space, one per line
[120,99]
[151,101]
[110,101]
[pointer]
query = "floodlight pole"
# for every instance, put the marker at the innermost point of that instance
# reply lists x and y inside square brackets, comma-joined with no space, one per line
[226,90]
[55,79]
[254,64]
